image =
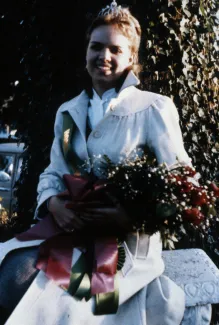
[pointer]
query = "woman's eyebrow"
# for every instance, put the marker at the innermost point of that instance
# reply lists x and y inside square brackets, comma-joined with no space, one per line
[110,45]
[95,42]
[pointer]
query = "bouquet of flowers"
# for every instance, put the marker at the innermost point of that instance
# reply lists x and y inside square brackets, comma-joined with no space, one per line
[156,198]
[161,198]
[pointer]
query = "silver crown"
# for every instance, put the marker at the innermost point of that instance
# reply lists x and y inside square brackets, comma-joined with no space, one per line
[112,9]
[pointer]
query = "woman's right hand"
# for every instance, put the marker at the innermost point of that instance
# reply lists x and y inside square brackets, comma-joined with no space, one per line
[65,218]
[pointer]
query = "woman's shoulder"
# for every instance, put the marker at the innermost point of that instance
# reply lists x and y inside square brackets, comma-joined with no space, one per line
[139,100]
[158,104]
[156,100]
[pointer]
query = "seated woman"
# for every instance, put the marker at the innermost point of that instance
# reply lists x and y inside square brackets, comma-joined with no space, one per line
[111,117]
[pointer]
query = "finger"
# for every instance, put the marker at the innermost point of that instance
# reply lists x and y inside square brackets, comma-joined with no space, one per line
[92,218]
[70,230]
[101,211]
[66,219]
[98,222]
[87,215]
[70,220]
[59,222]
[77,223]
[85,219]
[67,227]
[114,200]
[70,205]
[92,204]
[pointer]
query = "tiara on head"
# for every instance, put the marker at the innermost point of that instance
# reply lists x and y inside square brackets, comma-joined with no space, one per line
[112,9]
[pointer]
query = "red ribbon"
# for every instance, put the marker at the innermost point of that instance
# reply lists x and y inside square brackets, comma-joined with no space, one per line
[44,229]
[55,255]
[105,265]
[55,259]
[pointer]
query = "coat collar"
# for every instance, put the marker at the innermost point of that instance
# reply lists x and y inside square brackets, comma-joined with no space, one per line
[78,106]
[130,80]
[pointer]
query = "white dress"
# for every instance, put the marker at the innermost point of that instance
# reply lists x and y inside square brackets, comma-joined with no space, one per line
[146,297]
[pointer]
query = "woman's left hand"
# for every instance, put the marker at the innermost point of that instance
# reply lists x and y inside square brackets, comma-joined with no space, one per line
[95,213]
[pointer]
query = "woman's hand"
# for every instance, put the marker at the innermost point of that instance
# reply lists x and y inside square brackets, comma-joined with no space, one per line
[65,218]
[98,214]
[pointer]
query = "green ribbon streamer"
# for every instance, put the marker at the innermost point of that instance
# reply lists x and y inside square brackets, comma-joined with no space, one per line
[106,303]
[71,159]
[84,289]
[66,140]
[79,281]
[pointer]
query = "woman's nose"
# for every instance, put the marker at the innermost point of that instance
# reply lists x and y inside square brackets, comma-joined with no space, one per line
[105,54]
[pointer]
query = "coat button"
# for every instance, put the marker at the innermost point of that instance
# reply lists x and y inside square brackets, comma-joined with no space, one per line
[97,134]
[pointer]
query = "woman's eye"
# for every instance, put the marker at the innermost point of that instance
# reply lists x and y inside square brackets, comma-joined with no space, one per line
[115,50]
[96,47]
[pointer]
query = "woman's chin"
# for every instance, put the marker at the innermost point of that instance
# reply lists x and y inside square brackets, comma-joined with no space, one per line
[106,78]
[103,74]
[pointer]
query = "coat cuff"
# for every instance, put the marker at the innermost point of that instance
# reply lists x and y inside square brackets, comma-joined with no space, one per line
[42,209]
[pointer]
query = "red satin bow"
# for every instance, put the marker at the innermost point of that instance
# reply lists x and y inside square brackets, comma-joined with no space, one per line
[55,255]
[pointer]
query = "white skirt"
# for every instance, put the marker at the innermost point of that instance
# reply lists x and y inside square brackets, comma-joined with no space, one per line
[145,296]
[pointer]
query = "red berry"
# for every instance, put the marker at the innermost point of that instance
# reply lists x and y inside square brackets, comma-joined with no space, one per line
[191,171]
[198,197]
[215,189]
[174,176]
[193,215]
[186,186]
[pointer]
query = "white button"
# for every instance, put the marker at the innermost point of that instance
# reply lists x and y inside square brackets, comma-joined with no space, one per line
[97,134]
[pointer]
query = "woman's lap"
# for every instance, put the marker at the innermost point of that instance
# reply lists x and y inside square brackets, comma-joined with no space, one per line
[17,272]
[155,304]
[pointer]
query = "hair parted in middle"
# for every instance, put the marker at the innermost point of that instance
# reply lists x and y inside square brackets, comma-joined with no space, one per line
[127,24]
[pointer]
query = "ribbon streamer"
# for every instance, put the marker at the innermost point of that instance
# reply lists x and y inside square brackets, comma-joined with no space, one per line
[105,265]
[94,274]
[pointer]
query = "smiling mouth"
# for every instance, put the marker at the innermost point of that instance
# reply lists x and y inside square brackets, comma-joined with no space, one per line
[103,67]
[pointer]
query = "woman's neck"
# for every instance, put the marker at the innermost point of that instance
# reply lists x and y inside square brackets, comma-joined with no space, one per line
[100,89]
[88,85]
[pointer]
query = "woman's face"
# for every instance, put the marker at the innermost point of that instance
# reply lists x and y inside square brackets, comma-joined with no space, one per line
[108,56]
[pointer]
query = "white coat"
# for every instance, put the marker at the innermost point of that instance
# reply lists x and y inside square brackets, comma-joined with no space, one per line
[136,119]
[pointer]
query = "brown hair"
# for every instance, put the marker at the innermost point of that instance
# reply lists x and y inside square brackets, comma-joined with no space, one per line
[127,24]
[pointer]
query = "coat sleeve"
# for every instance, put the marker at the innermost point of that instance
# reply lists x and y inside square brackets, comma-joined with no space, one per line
[164,133]
[50,181]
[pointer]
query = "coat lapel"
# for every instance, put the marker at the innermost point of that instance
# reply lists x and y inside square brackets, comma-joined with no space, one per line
[74,116]
[78,112]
